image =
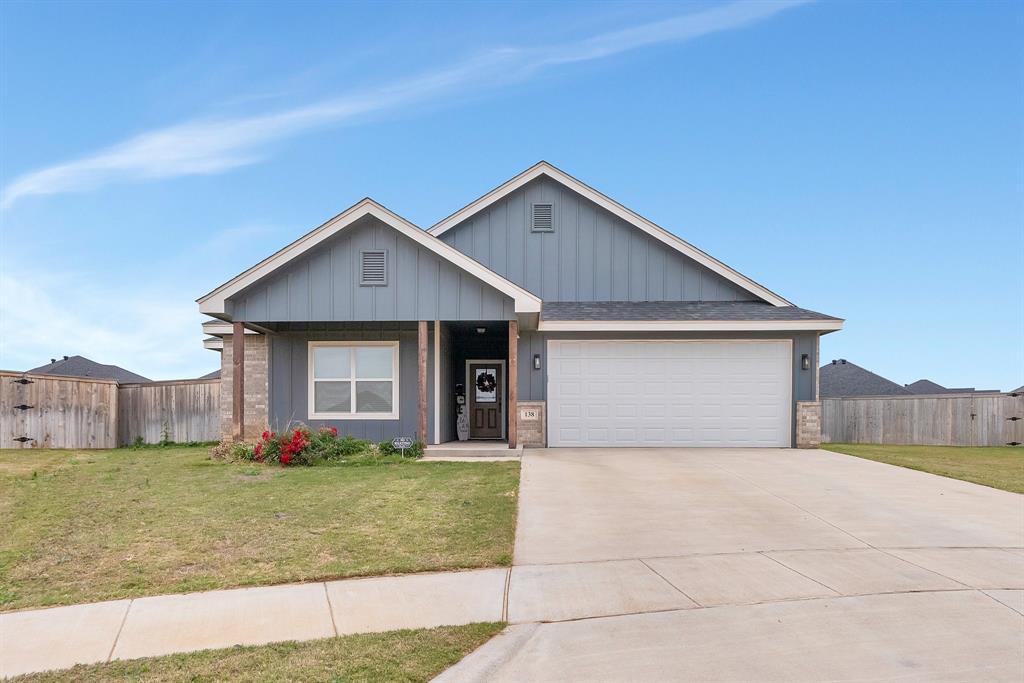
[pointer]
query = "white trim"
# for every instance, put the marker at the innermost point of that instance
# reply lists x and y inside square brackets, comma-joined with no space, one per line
[504,389]
[437,381]
[688,325]
[218,327]
[394,379]
[214,302]
[213,344]
[609,204]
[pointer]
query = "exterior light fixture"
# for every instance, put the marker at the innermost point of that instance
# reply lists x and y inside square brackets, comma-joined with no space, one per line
[805,361]
[536,361]
[481,330]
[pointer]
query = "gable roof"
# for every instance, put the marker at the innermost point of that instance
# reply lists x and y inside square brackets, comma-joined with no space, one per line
[609,204]
[80,366]
[842,378]
[213,302]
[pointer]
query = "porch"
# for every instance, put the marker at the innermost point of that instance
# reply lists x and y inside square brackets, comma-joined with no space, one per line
[440,378]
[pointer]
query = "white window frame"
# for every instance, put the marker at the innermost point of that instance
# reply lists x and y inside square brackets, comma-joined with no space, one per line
[311,380]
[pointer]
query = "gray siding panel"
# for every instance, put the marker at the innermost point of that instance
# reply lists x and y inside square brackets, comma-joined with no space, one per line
[289,381]
[591,256]
[323,285]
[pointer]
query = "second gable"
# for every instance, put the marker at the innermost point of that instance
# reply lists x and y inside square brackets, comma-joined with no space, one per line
[588,255]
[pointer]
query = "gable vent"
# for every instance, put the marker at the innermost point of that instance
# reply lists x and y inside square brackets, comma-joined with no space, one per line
[373,267]
[543,217]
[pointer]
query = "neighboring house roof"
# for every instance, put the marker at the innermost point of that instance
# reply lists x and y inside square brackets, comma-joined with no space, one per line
[214,302]
[609,204]
[1018,390]
[211,375]
[842,378]
[80,366]
[690,315]
[926,386]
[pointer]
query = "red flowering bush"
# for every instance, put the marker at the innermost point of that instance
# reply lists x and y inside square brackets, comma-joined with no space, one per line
[299,445]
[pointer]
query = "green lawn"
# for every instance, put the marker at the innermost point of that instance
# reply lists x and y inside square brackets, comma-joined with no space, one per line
[395,656]
[998,467]
[83,526]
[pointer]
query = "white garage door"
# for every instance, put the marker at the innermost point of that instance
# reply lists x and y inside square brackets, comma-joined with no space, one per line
[669,393]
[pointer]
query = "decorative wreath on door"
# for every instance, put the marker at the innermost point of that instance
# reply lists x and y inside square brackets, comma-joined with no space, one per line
[485,382]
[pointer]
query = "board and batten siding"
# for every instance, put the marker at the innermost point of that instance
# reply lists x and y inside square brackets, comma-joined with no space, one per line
[324,285]
[289,380]
[592,255]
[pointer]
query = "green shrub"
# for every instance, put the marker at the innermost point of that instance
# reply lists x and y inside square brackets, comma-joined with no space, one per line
[413,452]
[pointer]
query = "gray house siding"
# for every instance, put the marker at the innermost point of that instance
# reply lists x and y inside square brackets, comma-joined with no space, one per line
[289,384]
[324,285]
[533,383]
[592,255]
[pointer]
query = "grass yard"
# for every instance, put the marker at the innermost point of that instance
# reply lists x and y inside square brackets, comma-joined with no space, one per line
[84,526]
[998,467]
[395,656]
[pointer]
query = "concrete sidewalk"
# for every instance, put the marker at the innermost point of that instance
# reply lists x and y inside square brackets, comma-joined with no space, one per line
[60,637]
[582,593]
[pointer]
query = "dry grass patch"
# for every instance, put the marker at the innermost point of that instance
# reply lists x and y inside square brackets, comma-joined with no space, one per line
[395,656]
[995,466]
[96,525]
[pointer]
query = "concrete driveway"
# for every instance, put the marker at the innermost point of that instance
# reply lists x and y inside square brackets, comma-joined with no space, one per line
[756,564]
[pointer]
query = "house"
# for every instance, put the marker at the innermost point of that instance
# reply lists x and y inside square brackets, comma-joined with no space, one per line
[80,366]
[842,378]
[543,313]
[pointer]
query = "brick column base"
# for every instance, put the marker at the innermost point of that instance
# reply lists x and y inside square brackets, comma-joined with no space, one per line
[256,387]
[808,424]
[531,425]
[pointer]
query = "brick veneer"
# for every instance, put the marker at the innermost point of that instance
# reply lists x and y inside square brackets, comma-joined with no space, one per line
[256,387]
[532,433]
[808,424]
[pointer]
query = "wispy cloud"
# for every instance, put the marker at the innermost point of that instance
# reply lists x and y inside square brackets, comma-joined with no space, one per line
[207,146]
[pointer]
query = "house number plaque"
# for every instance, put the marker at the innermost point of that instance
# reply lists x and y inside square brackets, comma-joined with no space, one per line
[528,414]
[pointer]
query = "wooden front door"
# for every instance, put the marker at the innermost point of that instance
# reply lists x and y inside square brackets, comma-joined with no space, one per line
[486,393]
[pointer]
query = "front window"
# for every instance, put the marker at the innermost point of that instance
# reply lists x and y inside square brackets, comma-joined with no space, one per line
[353,380]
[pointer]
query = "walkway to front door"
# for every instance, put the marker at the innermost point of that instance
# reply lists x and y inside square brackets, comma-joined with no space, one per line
[485,392]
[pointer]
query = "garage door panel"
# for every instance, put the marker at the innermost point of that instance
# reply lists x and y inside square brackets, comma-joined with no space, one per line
[669,393]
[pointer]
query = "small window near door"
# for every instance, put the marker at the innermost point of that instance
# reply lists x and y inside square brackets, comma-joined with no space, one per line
[353,380]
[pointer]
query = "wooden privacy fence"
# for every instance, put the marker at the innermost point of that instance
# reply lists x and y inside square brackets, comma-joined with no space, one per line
[180,411]
[57,412]
[953,420]
[48,411]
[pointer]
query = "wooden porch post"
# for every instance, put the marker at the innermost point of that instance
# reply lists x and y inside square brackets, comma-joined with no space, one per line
[422,436]
[513,381]
[237,381]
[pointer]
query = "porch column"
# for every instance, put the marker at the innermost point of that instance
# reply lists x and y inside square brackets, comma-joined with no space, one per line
[422,353]
[513,381]
[237,381]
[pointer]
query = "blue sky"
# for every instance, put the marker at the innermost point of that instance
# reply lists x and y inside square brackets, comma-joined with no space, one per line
[861,159]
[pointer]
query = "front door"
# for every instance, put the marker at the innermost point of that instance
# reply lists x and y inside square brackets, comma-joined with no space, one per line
[485,391]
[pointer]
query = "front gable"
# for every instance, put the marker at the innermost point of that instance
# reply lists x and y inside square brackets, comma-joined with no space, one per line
[597,251]
[320,278]
[326,284]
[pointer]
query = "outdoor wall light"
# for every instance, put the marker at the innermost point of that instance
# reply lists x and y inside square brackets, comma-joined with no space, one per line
[536,361]
[481,330]
[805,361]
